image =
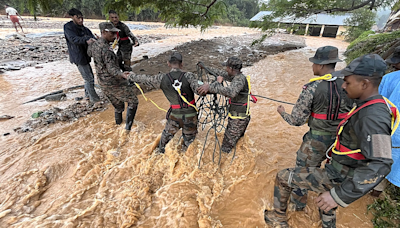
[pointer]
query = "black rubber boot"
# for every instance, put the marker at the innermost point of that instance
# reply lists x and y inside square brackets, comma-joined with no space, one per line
[130,116]
[118,118]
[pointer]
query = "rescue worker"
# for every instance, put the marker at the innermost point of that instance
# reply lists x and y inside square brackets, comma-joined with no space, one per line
[111,78]
[323,104]
[239,93]
[178,87]
[361,155]
[126,40]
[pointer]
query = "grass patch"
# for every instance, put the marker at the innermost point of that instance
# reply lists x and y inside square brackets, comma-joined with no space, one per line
[387,211]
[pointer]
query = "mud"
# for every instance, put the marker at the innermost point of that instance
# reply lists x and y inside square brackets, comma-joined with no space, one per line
[89,173]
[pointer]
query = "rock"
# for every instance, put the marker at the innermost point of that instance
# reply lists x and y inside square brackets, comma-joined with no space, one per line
[55,97]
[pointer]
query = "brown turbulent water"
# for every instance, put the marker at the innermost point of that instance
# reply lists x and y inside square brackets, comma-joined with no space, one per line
[88,173]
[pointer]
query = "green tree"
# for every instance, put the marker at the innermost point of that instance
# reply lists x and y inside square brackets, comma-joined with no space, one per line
[361,20]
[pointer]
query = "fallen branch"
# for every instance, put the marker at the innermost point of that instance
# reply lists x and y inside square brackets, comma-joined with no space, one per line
[57,92]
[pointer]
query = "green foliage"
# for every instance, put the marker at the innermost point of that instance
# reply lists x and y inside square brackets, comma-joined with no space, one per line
[387,211]
[360,21]
[370,44]
[361,38]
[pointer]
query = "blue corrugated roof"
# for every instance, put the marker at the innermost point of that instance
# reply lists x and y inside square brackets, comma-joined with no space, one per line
[319,19]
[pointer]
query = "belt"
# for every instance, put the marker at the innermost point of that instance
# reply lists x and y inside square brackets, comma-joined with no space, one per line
[233,113]
[343,169]
[124,38]
[180,116]
[315,132]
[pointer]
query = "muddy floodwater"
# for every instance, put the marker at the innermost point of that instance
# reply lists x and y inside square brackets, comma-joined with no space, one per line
[88,173]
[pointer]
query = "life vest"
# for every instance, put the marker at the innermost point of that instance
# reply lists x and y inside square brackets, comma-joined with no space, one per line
[239,107]
[177,89]
[330,104]
[340,149]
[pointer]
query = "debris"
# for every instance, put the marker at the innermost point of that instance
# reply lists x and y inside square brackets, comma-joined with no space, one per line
[5,134]
[55,97]
[6,117]
[36,114]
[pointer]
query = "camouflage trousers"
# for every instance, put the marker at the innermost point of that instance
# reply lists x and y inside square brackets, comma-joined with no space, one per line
[124,54]
[303,178]
[234,131]
[189,130]
[312,153]
[118,95]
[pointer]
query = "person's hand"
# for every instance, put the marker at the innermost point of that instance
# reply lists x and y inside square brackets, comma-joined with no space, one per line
[280,109]
[97,36]
[203,90]
[136,44]
[220,79]
[90,41]
[325,202]
[125,74]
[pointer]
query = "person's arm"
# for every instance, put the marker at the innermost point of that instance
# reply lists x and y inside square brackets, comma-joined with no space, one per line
[230,91]
[150,80]
[89,33]
[130,34]
[71,35]
[220,72]
[374,139]
[19,16]
[193,81]
[302,109]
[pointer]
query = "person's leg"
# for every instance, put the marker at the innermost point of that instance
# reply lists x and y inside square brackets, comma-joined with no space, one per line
[87,75]
[20,26]
[119,58]
[130,114]
[189,131]
[15,26]
[311,153]
[171,127]
[234,131]
[119,106]
[313,178]
[126,57]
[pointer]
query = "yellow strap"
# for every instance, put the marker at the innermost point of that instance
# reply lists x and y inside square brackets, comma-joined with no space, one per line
[326,77]
[115,43]
[184,99]
[236,117]
[395,122]
[145,98]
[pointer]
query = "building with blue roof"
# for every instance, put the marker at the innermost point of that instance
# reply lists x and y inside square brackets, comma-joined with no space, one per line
[323,25]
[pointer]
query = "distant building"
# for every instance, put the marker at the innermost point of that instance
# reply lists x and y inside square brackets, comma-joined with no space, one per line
[393,23]
[323,25]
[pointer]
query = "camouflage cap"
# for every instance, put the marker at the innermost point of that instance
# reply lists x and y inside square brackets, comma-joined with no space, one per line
[395,57]
[108,26]
[233,62]
[326,55]
[175,56]
[369,65]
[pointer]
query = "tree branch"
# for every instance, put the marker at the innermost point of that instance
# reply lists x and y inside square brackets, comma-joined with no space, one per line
[208,7]
[192,3]
[346,10]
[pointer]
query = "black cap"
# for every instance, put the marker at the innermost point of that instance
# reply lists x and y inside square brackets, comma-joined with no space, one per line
[233,62]
[175,56]
[326,55]
[370,65]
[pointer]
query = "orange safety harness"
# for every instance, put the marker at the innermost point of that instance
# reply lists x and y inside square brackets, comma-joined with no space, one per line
[340,149]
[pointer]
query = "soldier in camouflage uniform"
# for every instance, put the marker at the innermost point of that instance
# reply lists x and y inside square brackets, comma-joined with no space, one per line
[125,43]
[238,92]
[323,104]
[182,114]
[111,78]
[361,156]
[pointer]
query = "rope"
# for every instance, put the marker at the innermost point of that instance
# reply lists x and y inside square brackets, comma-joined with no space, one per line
[145,98]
